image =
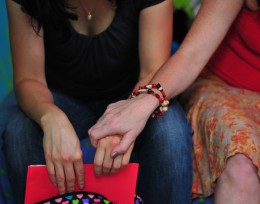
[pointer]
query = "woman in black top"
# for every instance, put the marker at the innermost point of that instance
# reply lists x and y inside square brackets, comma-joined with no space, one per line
[73,58]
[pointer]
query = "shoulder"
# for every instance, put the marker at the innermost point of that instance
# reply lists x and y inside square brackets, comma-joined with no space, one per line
[18,1]
[252,5]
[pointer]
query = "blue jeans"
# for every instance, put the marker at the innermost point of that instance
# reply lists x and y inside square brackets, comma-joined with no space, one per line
[163,149]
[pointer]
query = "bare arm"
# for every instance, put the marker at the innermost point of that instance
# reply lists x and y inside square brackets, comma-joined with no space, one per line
[205,35]
[155,38]
[28,64]
[129,117]
[61,145]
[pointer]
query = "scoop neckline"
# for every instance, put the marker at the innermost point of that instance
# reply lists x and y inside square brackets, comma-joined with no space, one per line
[98,34]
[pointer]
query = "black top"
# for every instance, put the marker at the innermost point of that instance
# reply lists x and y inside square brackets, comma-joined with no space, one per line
[102,66]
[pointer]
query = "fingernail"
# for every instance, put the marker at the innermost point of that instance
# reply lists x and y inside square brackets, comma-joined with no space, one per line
[62,192]
[115,154]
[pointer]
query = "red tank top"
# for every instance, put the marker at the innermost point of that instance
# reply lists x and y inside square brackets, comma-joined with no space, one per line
[237,60]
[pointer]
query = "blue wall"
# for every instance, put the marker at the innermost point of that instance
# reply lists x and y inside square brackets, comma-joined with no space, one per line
[5,56]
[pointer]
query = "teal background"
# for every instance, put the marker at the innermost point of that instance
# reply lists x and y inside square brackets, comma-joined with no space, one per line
[5,56]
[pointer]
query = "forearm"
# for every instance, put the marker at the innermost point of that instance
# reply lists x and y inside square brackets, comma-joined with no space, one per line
[145,80]
[36,100]
[205,35]
[155,37]
[175,80]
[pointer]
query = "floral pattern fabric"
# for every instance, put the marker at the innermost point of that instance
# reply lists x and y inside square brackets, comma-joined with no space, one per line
[226,121]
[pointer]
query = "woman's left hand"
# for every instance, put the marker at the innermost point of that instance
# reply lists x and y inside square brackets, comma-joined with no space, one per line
[126,118]
[103,162]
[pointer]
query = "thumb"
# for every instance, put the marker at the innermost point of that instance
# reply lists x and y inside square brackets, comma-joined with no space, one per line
[96,133]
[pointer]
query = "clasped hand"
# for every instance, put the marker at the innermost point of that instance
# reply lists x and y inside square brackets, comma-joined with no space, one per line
[126,118]
[63,154]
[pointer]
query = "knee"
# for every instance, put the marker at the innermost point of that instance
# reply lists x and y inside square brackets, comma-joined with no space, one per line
[176,146]
[173,141]
[240,171]
[173,134]
[175,127]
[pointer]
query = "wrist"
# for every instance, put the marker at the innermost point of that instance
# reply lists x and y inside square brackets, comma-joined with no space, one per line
[157,92]
[52,113]
[146,99]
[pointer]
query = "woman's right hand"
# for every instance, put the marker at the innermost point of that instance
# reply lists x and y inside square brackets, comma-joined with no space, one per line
[103,162]
[62,152]
[60,142]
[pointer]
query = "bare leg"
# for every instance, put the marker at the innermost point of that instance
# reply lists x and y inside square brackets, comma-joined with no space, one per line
[239,183]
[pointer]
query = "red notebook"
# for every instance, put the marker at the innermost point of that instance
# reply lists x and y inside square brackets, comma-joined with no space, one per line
[118,188]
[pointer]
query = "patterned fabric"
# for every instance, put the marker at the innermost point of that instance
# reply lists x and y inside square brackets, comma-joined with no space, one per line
[226,121]
[77,198]
[83,198]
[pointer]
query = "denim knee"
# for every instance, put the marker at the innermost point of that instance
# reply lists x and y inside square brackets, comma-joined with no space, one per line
[22,137]
[164,151]
[171,133]
[22,147]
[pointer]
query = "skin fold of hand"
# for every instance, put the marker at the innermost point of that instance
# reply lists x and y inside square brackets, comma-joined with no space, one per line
[119,120]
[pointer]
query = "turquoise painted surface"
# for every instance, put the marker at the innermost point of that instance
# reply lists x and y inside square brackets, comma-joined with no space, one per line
[5,56]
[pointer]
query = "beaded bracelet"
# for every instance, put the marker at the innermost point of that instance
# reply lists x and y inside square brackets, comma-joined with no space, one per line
[164,102]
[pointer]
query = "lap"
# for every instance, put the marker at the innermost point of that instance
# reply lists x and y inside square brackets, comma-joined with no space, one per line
[173,125]
[165,140]
[226,122]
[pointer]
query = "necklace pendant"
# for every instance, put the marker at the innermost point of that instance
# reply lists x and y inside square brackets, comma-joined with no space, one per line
[89,16]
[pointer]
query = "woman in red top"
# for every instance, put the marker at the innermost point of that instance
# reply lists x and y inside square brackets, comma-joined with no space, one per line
[223,104]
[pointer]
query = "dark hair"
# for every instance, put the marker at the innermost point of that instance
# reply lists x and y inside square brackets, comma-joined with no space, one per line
[49,13]
[40,10]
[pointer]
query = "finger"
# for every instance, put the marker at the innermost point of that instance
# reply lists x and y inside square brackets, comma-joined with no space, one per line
[104,126]
[60,178]
[51,172]
[123,146]
[98,160]
[97,133]
[79,170]
[94,142]
[117,164]
[70,176]
[126,157]
[108,162]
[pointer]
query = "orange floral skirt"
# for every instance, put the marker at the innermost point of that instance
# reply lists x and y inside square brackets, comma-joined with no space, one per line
[226,121]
